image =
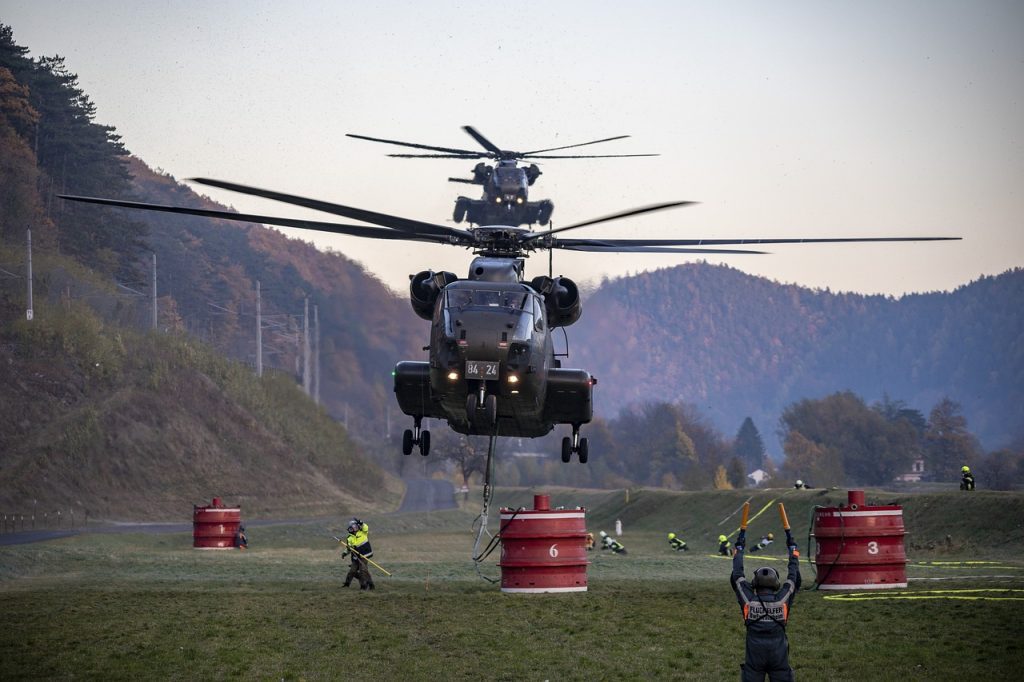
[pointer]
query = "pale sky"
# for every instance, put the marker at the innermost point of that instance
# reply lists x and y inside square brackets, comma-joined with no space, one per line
[784,119]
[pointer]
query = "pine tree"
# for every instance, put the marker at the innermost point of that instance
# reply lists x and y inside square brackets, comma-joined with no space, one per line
[748,446]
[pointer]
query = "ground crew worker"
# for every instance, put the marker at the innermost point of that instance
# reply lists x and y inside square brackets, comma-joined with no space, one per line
[608,542]
[241,542]
[763,542]
[966,478]
[589,541]
[765,605]
[358,545]
[677,543]
[799,485]
[723,545]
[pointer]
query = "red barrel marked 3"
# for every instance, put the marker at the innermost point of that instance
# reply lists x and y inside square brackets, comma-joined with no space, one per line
[860,547]
[215,526]
[543,549]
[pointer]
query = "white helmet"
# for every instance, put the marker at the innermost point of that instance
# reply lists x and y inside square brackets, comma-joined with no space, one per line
[603,534]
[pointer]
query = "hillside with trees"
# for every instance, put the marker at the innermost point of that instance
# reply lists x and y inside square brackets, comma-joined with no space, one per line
[683,355]
[101,412]
[733,344]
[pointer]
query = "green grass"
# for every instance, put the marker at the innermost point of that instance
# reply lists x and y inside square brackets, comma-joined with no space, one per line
[132,606]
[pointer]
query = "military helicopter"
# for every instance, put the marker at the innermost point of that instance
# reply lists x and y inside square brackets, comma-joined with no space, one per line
[491,368]
[506,185]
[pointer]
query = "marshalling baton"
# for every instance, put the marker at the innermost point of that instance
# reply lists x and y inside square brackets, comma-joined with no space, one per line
[746,515]
[782,515]
[368,559]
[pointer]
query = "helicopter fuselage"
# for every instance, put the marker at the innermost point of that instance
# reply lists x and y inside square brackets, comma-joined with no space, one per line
[492,368]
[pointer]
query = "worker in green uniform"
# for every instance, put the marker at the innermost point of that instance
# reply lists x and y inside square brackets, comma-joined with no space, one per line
[764,542]
[358,545]
[677,543]
[966,478]
[608,542]
[723,545]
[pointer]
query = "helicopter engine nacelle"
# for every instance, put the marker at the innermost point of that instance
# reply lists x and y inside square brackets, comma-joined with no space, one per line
[561,299]
[425,287]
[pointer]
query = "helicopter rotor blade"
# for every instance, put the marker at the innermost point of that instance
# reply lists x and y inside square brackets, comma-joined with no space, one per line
[414,145]
[483,141]
[568,243]
[471,156]
[463,180]
[336,228]
[581,144]
[394,222]
[583,156]
[604,219]
[597,248]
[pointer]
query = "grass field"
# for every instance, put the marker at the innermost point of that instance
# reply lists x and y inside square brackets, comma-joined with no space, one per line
[129,606]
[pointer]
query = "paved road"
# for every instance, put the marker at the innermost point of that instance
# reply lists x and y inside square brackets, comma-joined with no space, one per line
[427,494]
[26,536]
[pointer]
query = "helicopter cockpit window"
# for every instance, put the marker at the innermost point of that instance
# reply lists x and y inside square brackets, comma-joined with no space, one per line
[487,298]
[538,313]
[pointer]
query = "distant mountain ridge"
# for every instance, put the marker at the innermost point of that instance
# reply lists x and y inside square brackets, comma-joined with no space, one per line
[736,345]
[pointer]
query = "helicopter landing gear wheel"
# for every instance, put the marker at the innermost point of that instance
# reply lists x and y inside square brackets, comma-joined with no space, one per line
[544,212]
[575,444]
[471,403]
[414,437]
[491,409]
[461,204]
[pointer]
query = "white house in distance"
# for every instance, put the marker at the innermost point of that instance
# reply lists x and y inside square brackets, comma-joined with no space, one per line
[758,476]
[915,474]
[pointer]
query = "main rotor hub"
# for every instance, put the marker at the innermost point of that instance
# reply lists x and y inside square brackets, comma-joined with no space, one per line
[500,241]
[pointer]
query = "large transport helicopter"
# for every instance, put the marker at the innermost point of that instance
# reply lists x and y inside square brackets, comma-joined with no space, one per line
[506,185]
[491,368]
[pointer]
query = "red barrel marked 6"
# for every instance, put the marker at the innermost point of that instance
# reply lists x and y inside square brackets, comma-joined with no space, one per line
[543,549]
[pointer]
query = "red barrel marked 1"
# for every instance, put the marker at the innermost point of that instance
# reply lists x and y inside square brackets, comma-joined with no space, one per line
[215,526]
[860,547]
[543,549]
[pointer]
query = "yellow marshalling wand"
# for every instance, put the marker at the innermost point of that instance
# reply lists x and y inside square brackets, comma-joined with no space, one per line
[746,515]
[782,515]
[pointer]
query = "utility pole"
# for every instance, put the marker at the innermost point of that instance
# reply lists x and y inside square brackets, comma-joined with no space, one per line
[259,332]
[28,312]
[153,287]
[316,355]
[305,348]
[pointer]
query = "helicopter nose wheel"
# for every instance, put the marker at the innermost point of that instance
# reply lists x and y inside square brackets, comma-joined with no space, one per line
[581,446]
[416,437]
[482,409]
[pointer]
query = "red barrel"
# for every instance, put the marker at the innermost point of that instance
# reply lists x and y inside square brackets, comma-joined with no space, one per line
[543,549]
[216,526]
[860,547]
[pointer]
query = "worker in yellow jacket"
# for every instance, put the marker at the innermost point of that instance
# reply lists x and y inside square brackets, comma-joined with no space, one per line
[358,545]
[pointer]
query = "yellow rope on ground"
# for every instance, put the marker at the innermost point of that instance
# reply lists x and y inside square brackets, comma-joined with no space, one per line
[967,595]
[763,510]
[966,565]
